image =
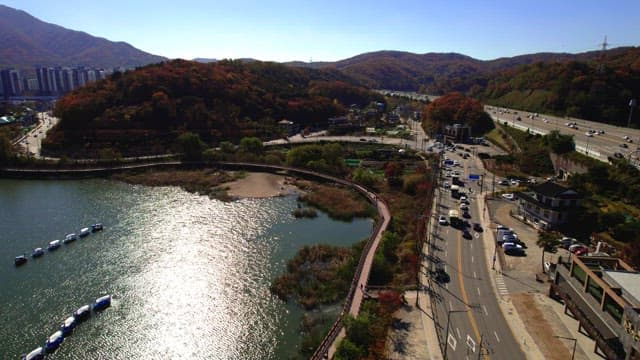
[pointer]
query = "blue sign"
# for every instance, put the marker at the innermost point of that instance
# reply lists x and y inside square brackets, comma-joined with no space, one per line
[474,177]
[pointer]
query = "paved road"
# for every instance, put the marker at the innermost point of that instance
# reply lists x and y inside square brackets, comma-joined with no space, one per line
[32,141]
[600,146]
[477,327]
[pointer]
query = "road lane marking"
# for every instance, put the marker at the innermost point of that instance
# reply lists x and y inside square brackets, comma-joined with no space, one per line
[472,259]
[496,334]
[486,313]
[465,298]
[478,291]
[458,331]
[474,275]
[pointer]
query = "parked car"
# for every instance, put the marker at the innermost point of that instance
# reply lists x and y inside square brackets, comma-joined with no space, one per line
[464,206]
[466,214]
[446,185]
[509,196]
[503,182]
[442,220]
[575,247]
[467,234]
[477,227]
[623,145]
[464,200]
[566,242]
[581,251]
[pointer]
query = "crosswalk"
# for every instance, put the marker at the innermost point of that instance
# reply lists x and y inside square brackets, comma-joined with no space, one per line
[502,288]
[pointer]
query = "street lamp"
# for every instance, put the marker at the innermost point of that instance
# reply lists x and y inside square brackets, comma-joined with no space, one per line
[446,337]
[632,103]
[575,342]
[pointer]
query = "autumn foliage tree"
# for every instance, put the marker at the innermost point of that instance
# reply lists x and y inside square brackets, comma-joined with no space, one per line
[456,108]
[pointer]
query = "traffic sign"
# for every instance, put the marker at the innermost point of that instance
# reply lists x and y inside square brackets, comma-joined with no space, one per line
[474,177]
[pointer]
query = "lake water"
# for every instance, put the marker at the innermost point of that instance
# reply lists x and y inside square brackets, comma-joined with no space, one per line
[189,275]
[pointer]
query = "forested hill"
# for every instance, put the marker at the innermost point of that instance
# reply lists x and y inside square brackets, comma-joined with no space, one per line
[143,111]
[26,41]
[597,90]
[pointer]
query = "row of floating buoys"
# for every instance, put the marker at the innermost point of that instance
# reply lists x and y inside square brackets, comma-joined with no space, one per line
[55,244]
[54,341]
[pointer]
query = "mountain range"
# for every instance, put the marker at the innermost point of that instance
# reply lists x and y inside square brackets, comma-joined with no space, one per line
[26,41]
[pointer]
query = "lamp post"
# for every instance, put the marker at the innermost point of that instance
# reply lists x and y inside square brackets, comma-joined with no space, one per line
[632,103]
[446,336]
[575,342]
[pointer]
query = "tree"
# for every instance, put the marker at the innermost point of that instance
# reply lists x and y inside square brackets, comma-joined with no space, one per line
[251,145]
[190,145]
[6,150]
[559,144]
[548,242]
[349,351]
[357,329]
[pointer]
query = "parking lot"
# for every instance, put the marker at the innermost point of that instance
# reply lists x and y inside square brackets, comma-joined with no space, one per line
[543,317]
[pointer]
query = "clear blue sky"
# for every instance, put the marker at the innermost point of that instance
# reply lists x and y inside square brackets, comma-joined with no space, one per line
[329,30]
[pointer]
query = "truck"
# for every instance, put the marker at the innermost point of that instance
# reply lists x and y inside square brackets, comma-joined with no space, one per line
[454,219]
[455,191]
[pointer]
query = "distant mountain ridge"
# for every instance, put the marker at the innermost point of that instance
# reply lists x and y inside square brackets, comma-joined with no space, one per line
[26,41]
[439,73]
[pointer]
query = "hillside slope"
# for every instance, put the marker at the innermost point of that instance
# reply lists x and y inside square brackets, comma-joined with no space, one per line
[26,42]
[145,110]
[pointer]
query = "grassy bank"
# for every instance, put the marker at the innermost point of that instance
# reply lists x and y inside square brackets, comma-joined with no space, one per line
[204,182]
[337,201]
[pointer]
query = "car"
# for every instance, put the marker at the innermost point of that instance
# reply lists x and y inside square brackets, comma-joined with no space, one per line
[456,173]
[514,182]
[589,134]
[446,185]
[623,145]
[600,132]
[456,163]
[466,214]
[509,196]
[581,251]
[477,227]
[440,275]
[363,139]
[466,234]
[448,174]
[565,242]
[442,220]
[626,137]
[464,206]
[573,248]
[503,182]
[373,140]
[464,199]
[618,155]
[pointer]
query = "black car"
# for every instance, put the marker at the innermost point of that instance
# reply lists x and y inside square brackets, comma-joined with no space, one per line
[477,227]
[466,215]
[467,235]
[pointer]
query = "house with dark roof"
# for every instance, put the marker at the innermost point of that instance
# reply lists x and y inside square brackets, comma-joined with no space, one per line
[548,205]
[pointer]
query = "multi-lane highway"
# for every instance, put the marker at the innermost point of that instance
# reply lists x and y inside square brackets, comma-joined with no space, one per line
[599,146]
[467,312]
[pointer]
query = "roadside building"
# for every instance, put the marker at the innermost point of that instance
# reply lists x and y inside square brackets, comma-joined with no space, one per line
[603,294]
[548,205]
[458,133]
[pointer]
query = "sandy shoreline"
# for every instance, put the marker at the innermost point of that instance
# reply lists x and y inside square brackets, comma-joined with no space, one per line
[259,185]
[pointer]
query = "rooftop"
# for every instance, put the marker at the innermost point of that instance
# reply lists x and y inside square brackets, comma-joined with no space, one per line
[629,282]
[552,189]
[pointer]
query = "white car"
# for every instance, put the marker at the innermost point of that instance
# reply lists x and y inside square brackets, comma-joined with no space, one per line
[589,134]
[442,220]
[464,206]
[445,185]
[508,196]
